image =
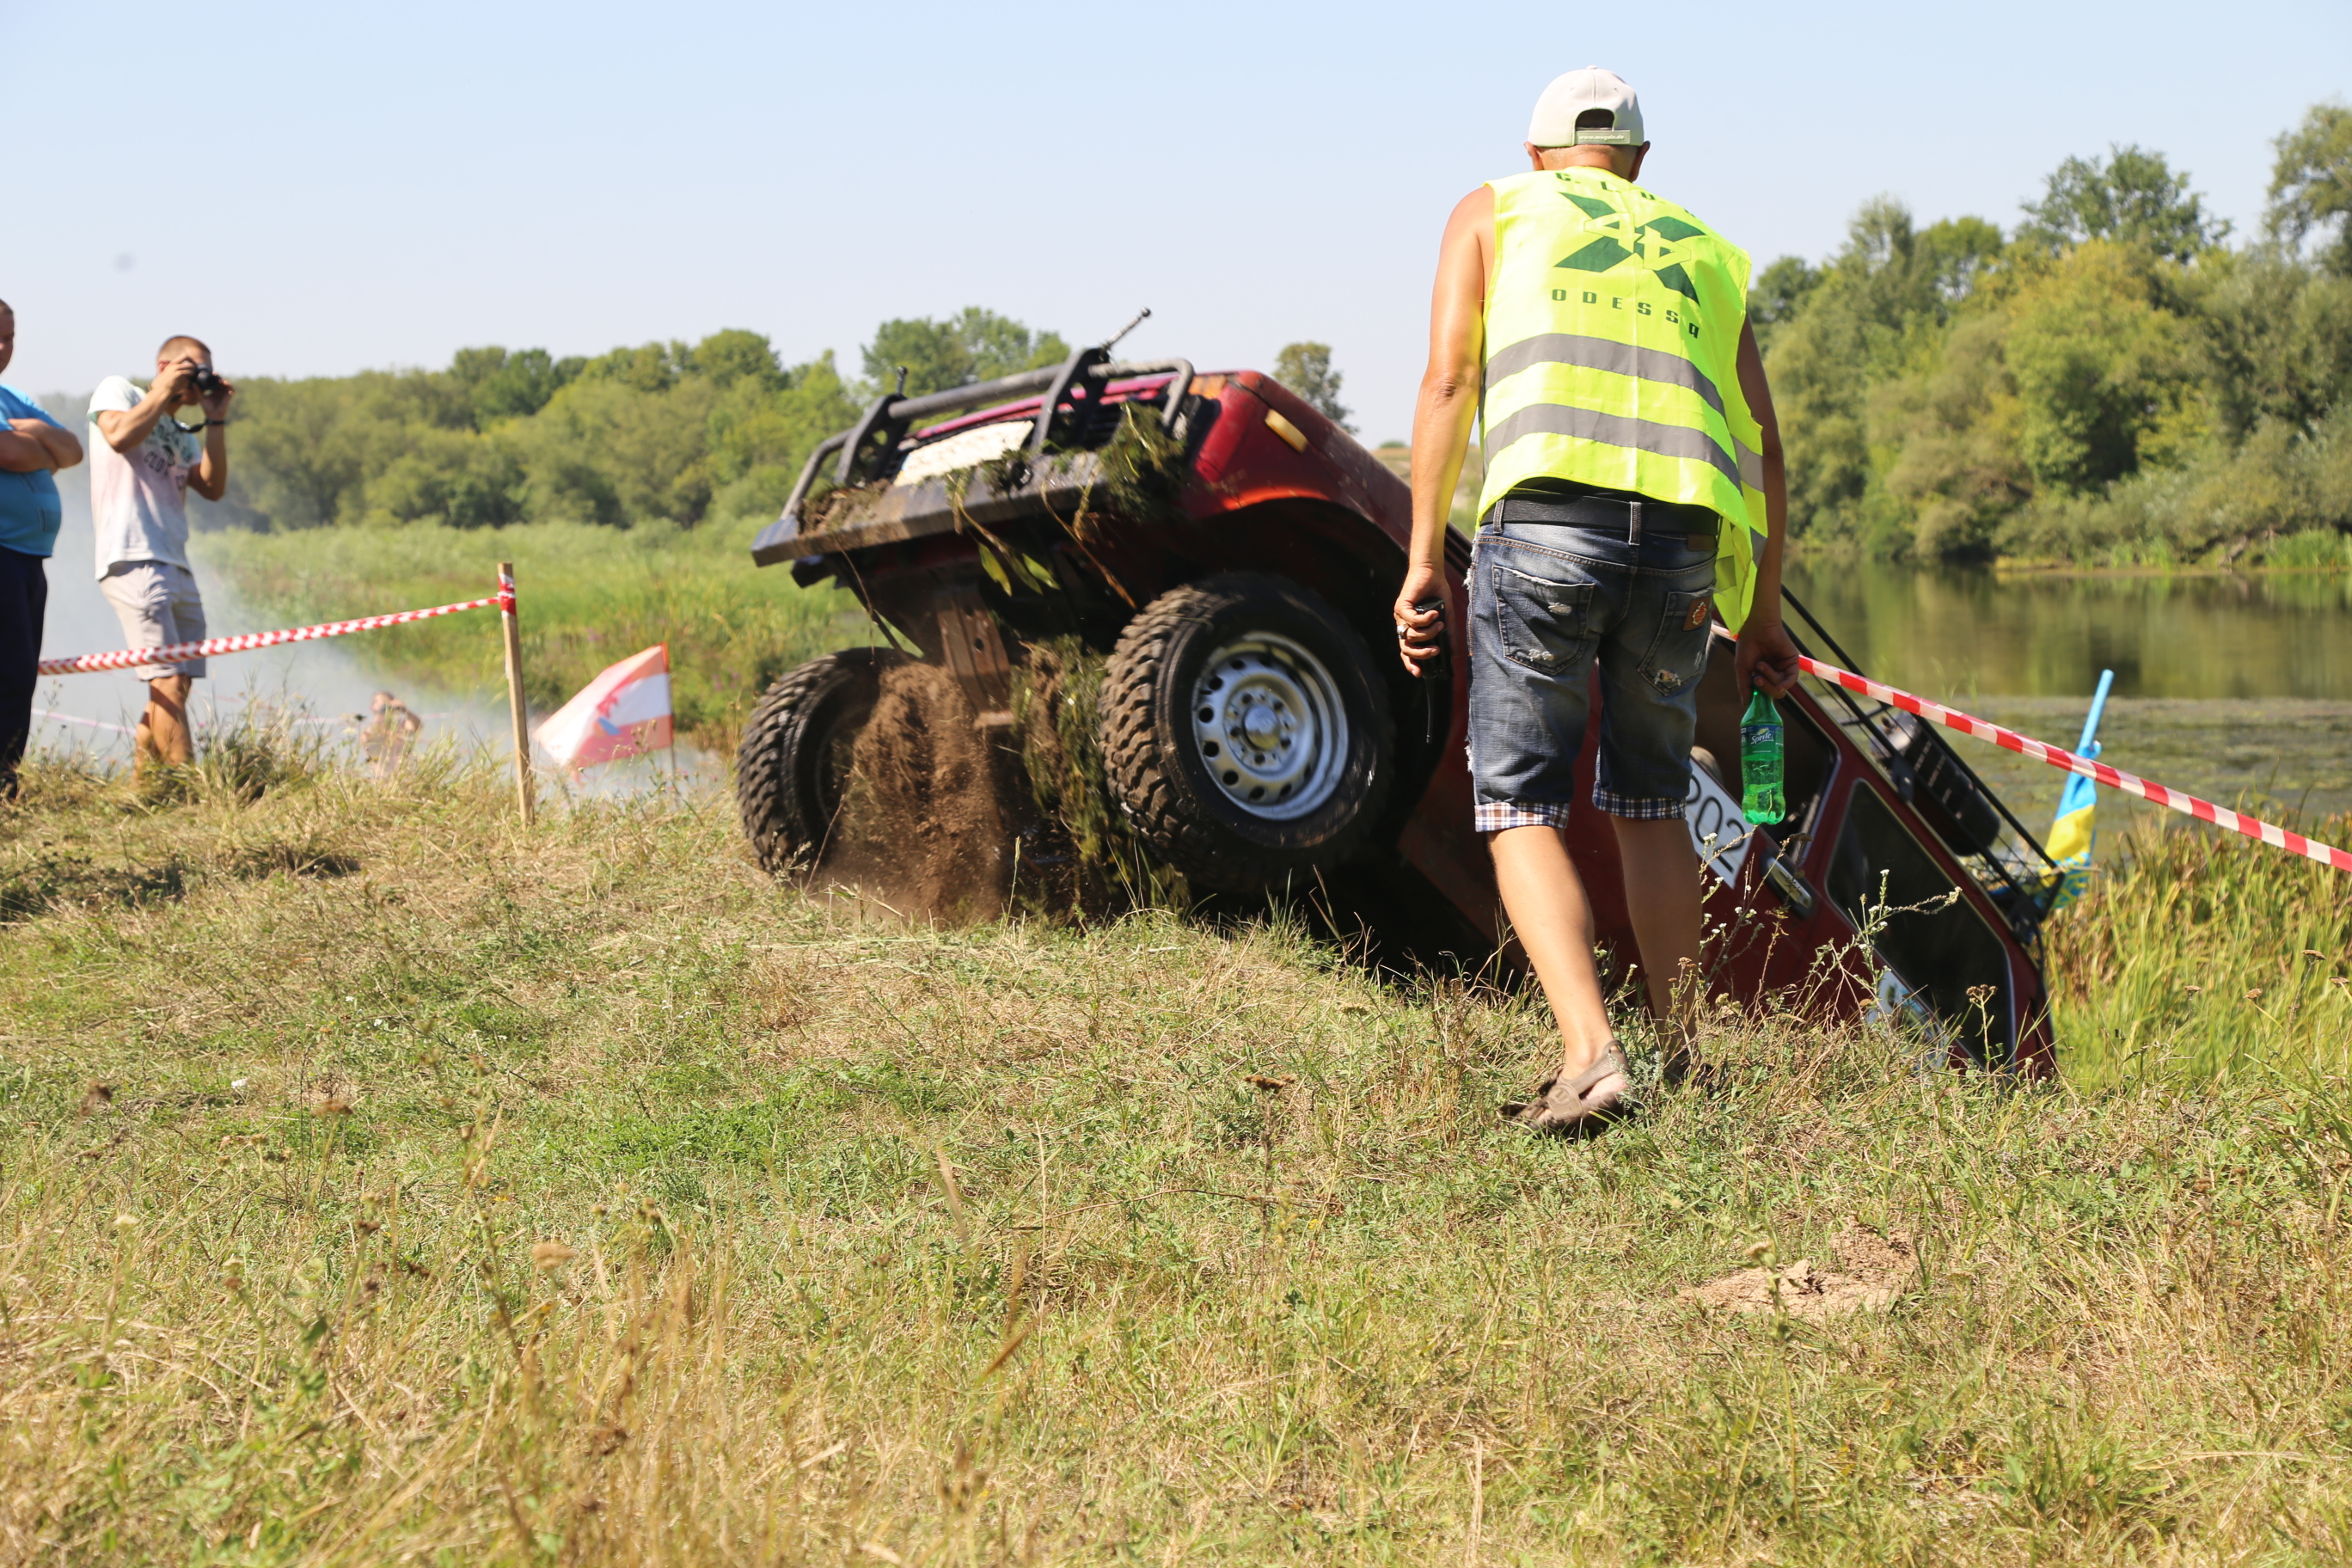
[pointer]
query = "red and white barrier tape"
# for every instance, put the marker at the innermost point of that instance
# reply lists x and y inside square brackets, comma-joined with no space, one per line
[2059,757]
[56,717]
[132,657]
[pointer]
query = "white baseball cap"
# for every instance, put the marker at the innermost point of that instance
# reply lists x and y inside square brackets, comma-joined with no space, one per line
[1554,124]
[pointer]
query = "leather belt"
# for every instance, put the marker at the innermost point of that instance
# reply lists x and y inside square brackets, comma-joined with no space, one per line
[1609,515]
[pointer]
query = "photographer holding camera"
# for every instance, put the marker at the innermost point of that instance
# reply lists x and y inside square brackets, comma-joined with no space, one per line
[144,460]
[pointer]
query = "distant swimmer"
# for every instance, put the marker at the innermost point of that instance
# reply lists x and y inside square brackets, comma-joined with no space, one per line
[387,733]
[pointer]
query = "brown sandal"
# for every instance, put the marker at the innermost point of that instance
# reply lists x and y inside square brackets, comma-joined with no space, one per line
[1569,1109]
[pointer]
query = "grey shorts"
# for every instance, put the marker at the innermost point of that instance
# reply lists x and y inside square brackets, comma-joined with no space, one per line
[1545,601]
[158,606]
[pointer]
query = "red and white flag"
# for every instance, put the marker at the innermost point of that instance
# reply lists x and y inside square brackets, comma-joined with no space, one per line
[623,712]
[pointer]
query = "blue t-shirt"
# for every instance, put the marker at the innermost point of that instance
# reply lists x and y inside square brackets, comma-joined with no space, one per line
[29,508]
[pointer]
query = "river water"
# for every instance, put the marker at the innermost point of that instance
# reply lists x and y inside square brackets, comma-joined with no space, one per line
[2237,688]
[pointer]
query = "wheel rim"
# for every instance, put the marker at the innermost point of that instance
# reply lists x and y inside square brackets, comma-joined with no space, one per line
[1269,726]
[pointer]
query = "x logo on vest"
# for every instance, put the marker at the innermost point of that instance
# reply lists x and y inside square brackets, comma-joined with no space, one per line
[1617,239]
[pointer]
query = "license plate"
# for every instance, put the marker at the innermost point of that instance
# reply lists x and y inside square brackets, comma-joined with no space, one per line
[1718,828]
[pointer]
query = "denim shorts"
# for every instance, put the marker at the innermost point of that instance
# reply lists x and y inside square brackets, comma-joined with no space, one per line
[1546,600]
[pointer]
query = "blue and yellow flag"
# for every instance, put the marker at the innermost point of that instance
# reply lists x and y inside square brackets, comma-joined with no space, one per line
[2072,835]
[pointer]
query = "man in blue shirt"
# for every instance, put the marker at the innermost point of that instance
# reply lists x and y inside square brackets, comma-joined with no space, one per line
[33,446]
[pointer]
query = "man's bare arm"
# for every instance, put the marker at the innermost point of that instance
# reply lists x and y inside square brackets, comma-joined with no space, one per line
[22,451]
[125,429]
[65,447]
[1445,411]
[209,478]
[1766,654]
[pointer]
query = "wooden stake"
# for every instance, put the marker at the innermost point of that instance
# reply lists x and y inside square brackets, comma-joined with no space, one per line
[525,795]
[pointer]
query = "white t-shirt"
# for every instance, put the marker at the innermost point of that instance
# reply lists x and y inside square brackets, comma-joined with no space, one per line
[138,499]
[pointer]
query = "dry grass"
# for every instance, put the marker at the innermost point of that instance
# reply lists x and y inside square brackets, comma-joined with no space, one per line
[382,1184]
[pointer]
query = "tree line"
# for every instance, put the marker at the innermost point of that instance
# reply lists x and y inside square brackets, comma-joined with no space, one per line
[664,431]
[2113,380]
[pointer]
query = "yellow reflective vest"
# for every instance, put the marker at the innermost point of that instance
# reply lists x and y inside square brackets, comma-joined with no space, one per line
[1612,327]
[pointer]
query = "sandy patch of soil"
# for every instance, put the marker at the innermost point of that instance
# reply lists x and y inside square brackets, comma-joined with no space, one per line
[1874,1269]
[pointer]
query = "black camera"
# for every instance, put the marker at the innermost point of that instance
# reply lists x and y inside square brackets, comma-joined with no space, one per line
[206,384]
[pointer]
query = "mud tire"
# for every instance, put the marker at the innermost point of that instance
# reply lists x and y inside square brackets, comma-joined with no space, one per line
[794,759]
[1153,753]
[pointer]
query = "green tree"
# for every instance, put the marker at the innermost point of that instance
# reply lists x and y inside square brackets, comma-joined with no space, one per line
[2131,195]
[2105,374]
[1778,293]
[759,439]
[2276,335]
[297,456]
[1306,369]
[972,346]
[658,431]
[448,476]
[308,447]
[728,357]
[2311,183]
[503,385]
[1954,472]
[648,367]
[2116,383]
[606,449]
[1878,310]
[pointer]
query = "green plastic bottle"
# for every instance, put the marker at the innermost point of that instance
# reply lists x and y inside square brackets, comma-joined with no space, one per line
[1759,761]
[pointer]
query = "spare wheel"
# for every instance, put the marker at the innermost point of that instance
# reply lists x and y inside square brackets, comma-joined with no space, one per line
[791,767]
[1245,732]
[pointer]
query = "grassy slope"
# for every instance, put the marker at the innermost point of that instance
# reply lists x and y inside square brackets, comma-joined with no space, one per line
[584,1196]
[588,596]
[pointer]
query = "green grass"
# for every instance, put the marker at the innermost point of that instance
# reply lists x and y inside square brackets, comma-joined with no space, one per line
[382,1182]
[2199,952]
[588,596]
[2316,549]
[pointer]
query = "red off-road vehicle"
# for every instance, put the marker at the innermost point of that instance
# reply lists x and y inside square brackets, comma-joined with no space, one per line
[1236,554]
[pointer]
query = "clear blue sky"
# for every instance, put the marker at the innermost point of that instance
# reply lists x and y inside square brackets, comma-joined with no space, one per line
[316,189]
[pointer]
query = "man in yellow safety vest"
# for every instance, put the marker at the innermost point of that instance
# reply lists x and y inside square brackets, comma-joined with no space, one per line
[1633,481]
